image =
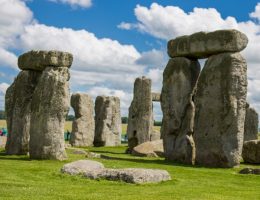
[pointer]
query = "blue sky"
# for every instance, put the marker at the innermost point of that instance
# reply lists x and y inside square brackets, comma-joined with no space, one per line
[115,41]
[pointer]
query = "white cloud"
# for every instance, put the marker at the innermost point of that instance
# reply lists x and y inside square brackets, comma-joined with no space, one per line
[3,88]
[256,13]
[126,26]
[8,58]
[75,3]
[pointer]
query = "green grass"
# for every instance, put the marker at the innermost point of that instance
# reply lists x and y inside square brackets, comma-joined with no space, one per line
[21,178]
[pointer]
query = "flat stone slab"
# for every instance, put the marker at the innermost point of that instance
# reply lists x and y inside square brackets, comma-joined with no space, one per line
[95,170]
[149,149]
[39,60]
[250,171]
[82,166]
[251,151]
[203,45]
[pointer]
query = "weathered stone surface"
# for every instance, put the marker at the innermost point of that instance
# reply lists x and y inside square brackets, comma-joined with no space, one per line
[155,135]
[156,96]
[80,152]
[140,117]
[179,80]
[83,127]
[149,149]
[18,111]
[250,171]
[108,126]
[220,103]
[82,166]
[203,45]
[50,105]
[132,175]
[251,151]
[39,60]
[251,124]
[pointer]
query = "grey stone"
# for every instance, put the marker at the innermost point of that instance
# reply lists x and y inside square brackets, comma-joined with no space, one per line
[83,127]
[93,155]
[149,149]
[50,105]
[82,166]
[155,135]
[251,124]
[203,45]
[133,175]
[156,96]
[39,60]
[108,126]
[251,151]
[140,117]
[250,171]
[179,81]
[220,103]
[80,152]
[18,111]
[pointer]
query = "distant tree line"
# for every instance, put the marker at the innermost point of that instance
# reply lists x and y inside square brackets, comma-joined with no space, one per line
[2,114]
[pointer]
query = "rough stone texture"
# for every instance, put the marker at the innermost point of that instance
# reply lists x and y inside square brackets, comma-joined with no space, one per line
[156,96]
[156,135]
[251,124]
[50,105]
[108,126]
[251,151]
[203,45]
[82,166]
[179,80]
[83,127]
[80,152]
[149,149]
[132,175]
[39,60]
[250,171]
[140,117]
[18,111]
[220,111]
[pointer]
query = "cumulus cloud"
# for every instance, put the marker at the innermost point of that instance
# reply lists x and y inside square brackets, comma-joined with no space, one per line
[75,3]
[3,88]
[167,22]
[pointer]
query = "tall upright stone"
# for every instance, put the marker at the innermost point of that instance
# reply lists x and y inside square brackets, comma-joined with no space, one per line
[179,81]
[220,103]
[83,127]
[108,126]
[50,104]
[251,124]
[18,111]
[140,118]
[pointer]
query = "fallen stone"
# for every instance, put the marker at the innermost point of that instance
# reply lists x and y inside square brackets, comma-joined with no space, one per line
[149,149]
[82,166]
[220,103]
[50,105]
[83,127]
[108,127]
[39,60]
[251,124]
[250,171]
[93,155]
[18,111]
[179,81]
[140,117]
[156,135]
[251,152]
[80,152]
[203,45]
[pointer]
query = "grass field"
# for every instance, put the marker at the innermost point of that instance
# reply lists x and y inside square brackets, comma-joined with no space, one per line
[21,178]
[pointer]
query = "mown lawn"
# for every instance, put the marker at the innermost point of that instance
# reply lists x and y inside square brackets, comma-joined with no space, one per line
[21,178]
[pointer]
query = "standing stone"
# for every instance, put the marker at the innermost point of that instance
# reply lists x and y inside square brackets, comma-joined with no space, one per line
[220,111]
[179,80]
[83,127]
[108,126]
[140,119]
[156,96]
[251,124]
[50,105]
[251,151]
[18,111]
